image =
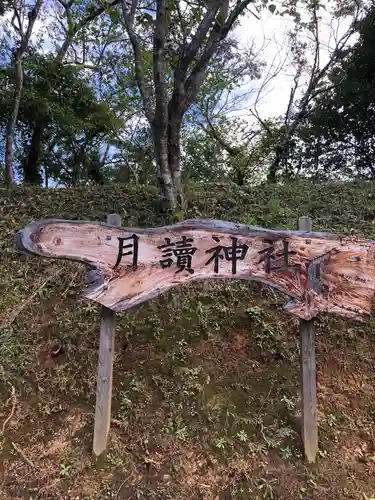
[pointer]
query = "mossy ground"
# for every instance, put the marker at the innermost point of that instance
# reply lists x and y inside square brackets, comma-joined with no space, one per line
[206,378]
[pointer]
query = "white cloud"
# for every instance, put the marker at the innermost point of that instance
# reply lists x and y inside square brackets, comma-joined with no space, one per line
[269,35]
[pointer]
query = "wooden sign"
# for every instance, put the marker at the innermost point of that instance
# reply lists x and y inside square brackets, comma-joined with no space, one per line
[320,272]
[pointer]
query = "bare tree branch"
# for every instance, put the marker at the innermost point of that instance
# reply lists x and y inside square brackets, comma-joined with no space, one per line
[292,94]
[18,54]
[90,16]
[182,24]
[139,73]
[218,33]
[262,122]
[66,5]
[213,132]
[17,15]
[198,37]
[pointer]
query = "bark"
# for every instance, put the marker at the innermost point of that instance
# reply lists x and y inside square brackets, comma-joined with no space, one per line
[198,37]
[92,14]
[233,152]
[79,159]
[217,35]
[174,153]
[282,150]
[12,121]
[129,14]
[163,172]
[160,118]
[32,175]
[176,109]
[211,131]
[31,168]
[105,155]
[31,172]
[18,54]
[240,177]
[64,48]
[274,167]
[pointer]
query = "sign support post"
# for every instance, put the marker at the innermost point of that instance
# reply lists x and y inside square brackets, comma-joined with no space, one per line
[308,376]
[105,375]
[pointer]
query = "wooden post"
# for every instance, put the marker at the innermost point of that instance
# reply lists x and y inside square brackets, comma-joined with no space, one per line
[308,376]
[104,378]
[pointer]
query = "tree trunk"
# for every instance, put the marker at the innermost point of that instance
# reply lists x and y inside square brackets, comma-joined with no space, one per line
[205,42]
[163,171]
[94,172]
[160,122]
[275,165]
[31,169]
[105,155]
[12,120]
[174,154]
[239,176]
[78,163]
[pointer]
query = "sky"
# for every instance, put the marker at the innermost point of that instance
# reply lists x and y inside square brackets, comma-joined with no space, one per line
[269,35]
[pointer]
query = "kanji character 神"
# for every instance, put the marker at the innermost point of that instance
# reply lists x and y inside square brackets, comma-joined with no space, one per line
[232,253]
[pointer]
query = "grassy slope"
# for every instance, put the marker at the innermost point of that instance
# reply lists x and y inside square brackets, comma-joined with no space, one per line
[206,395]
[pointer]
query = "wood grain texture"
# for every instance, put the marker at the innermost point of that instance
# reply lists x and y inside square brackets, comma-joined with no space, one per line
[308,377]
[326,272]
[105,376]
[308,390]
[104,385]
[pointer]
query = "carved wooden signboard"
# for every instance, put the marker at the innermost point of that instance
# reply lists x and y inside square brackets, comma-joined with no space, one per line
[320,272]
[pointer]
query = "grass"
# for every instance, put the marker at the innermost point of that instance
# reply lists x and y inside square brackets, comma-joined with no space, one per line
[206,379]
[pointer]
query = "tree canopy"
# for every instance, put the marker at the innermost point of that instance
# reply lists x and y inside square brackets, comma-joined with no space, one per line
[167,92]
[338,139]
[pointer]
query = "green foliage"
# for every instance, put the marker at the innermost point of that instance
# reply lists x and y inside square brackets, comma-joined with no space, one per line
[337,140]
[203,160]
[133,162]
[80,103]
[61,123]
[66,470]
[82,116]
[218,152]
